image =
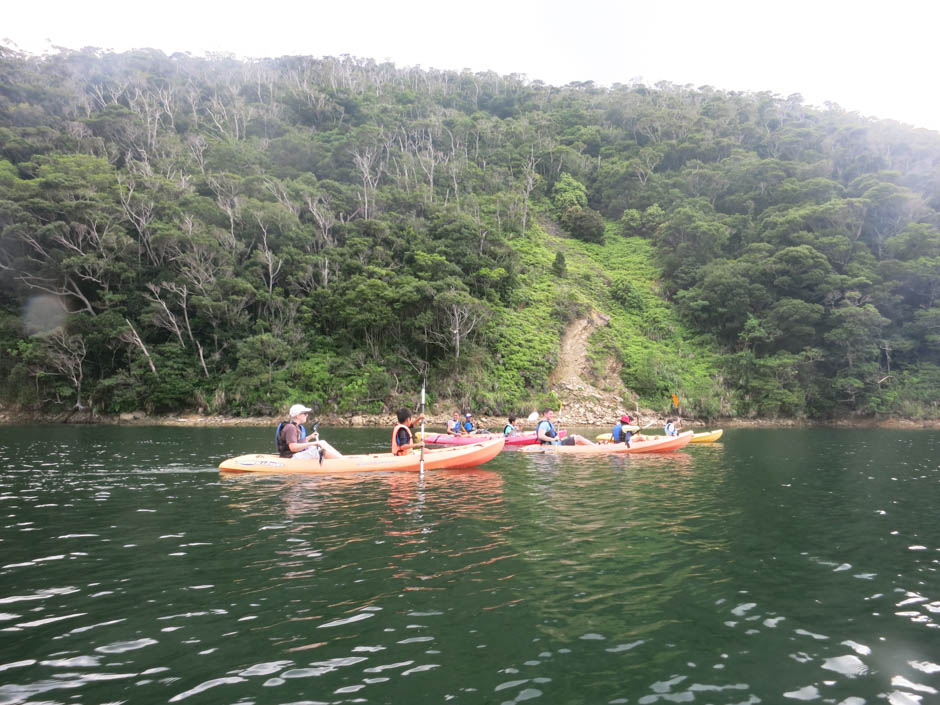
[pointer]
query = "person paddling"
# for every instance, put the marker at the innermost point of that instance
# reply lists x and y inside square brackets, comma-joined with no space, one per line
[467,426]
[619,434]
[547,435]
[402,435]
[510,429]
[293,441]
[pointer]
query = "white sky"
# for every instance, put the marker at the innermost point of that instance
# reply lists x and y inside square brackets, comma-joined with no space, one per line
[879,60]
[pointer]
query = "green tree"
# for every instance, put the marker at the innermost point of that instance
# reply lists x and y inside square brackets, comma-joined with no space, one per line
[558,265]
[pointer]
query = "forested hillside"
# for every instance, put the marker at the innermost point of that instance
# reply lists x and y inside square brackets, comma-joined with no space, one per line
[180,233]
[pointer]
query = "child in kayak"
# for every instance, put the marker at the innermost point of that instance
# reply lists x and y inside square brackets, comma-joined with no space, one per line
[547,435]
[619,435]
[402,436]
[467,426]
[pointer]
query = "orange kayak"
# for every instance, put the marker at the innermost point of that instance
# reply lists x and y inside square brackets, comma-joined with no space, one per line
[468,456]
[652,444]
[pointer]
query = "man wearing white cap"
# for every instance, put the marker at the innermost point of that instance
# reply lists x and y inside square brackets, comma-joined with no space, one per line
[293,441]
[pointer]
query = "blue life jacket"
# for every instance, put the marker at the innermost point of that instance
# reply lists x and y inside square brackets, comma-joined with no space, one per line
[618,435]
[281,444]
[467,426]
[551,433]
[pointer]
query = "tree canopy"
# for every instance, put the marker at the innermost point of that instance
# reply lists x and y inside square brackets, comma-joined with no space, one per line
[181,232]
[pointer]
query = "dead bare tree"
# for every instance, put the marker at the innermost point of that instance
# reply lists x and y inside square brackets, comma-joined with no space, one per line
[529,179]
[133,338]
[227,191]
[371,160]
[66,354]
[272,263]
[456,315]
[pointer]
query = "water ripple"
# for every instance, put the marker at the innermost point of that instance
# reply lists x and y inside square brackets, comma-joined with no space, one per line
[764,570]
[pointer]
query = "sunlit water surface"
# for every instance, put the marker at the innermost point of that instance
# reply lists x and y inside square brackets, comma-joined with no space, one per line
[773,567]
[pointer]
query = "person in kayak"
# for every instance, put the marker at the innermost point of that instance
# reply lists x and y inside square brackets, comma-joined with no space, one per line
[619,435]
[453,425]
[402,436]
[547,435]
[293,441]
[672,426]
[510,429]
[467,426]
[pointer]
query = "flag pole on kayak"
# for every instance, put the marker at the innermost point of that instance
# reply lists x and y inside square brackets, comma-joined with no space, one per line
[423,384]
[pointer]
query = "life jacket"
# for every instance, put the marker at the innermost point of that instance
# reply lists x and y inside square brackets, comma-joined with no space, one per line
[467,426]
[509,429]
[551,433]
[453,425]
[281,442]
[617,435]
[670,429]
[396,449]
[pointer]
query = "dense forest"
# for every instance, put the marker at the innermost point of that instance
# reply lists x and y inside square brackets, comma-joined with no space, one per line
[181,233]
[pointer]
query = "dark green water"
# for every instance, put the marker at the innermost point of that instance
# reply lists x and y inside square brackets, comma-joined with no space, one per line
[774,567]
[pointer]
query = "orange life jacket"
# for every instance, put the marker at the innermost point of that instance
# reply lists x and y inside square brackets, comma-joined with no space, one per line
[396,449]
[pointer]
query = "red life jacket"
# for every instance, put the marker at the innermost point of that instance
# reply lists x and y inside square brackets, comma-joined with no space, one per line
[396,449]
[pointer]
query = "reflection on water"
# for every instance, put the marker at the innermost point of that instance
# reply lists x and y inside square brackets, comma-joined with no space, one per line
[773,567]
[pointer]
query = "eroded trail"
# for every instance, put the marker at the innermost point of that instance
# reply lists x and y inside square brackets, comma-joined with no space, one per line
[573,354]
[583,401]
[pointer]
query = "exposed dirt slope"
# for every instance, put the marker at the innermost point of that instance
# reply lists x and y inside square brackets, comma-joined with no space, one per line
[583,402]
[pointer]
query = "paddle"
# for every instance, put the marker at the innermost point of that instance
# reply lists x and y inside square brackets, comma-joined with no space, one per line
[421,464]
[646,426]
[558,418]
[533,417]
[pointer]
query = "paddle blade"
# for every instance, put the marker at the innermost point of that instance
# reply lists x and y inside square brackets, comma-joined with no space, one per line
[533,417]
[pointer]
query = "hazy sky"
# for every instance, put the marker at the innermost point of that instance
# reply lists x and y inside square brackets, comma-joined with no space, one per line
[879,60]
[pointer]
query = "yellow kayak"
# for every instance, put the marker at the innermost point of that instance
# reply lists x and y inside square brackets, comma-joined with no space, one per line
[707,437]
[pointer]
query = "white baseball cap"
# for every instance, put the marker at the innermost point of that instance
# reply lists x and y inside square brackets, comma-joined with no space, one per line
[298,409]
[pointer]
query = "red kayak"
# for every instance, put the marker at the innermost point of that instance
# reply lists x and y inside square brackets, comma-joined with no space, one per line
[445,439]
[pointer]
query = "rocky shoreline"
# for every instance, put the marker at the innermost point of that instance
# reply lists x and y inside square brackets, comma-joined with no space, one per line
[583,404]
[573,416]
